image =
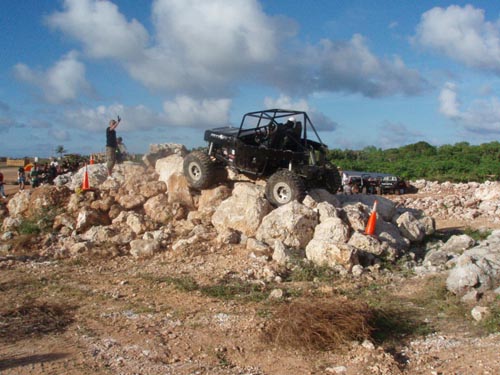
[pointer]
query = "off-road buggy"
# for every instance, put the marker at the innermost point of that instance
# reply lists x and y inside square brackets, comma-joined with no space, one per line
[273,144]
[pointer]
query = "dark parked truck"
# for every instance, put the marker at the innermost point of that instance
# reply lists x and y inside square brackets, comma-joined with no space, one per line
[393,185]
[273,144]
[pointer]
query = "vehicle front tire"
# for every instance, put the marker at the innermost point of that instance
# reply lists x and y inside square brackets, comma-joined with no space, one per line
[283,187]
[199,170]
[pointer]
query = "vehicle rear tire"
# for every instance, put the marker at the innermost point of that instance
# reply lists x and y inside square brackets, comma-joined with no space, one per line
[332,179]
[199,170]
[283,187]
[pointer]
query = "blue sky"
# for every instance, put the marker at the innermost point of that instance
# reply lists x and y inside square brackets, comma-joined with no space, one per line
[382,73]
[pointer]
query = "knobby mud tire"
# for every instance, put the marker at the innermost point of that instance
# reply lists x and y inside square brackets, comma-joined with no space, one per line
[283,187]
[199,170]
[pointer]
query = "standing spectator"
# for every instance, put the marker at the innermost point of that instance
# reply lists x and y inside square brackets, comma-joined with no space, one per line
[21,178]
[35,176]
[2,190]
[111,145]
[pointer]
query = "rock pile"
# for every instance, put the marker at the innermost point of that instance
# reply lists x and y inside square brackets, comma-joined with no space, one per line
[462,201]
[141,211]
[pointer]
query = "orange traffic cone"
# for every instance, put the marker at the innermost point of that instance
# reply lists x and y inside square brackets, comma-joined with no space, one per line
[91,159]
[372,221]
[85,183]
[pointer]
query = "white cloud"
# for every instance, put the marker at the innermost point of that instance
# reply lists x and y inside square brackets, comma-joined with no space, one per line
[463,34]
[352,67]
[186,111]
[61,83]
[103,30]
[448,102]
[133,118]
[481,118]
[59,134]
[205,49]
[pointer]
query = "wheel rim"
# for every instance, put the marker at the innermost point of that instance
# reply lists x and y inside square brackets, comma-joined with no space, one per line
[194,171]
[282,193]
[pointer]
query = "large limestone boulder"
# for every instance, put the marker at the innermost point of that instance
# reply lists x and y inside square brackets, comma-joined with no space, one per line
[243,211]
[157,209]
[210,199]
[19,204]
[367,244]
[332,254]
[385,207]
[167,166]
[159,151]
[410,227]
[332,229]
[88,218]
[457,244]
[144,248]
[356,214]
[293,224]
[178,190]
[131,201]
[152,188]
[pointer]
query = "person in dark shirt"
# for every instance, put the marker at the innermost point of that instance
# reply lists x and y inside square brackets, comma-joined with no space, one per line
[111,145]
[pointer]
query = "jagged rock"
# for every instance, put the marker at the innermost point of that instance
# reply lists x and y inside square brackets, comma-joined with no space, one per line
[332,254]
[457,244]
[19,203]
[228,237]
[386,232]
[410,227]
[98,234]
[293,224]
[80,248]
[178,190]
[131,201]
[144,248]
[332,229]
[159,151]
[133,220]
[435,258]
[64,220]
[326,210]
[257,246]
[167,166]
[11,223]
[210,199]
[103,204]
[385,207]
[243,211]
[480,313]
[284,255]
[157,209]
[152,188]
[88,218]
[366,243]
[356,215]
[477,268]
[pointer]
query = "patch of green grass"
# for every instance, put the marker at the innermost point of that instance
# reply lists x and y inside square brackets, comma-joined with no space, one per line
[305,270]
[478,235]
[40,222]
[492,323]
[226,290]
[238,290]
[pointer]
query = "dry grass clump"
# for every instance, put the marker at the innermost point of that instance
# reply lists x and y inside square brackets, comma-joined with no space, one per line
[33,318]
[323,324]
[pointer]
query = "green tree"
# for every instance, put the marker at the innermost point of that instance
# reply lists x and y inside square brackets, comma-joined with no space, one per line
[60,150]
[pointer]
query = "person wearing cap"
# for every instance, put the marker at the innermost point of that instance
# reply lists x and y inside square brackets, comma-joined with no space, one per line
[111,145]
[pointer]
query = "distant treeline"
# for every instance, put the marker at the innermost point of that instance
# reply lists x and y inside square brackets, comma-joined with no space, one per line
[461,162]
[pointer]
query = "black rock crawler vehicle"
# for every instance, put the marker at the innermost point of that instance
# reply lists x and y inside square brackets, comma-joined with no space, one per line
[273,144]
